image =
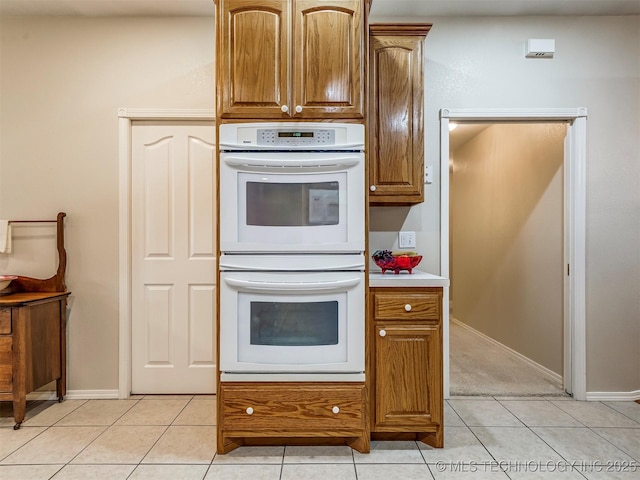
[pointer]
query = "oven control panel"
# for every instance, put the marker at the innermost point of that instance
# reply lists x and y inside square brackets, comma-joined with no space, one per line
[288,136]
[303,137]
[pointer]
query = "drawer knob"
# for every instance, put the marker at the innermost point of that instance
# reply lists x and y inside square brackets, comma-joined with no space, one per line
[284,109]
[407,307]
[249,411]
[335,409]
[298,108]
[372,188]
[383,333]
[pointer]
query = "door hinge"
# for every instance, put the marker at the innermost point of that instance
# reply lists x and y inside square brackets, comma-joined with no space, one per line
[568,269]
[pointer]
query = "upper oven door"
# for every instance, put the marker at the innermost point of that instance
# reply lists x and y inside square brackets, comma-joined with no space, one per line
[292,202]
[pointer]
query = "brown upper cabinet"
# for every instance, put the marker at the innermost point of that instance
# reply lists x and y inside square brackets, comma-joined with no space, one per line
[396,111]
[291,59]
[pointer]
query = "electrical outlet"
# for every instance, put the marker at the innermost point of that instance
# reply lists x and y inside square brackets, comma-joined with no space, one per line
[406,239]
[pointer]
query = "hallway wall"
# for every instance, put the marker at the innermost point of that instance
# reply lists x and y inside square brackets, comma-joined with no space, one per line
[507,237]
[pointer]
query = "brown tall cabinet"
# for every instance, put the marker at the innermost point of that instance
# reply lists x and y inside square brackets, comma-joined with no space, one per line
[291,59]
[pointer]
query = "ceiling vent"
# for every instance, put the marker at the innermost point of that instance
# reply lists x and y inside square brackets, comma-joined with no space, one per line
[540,48]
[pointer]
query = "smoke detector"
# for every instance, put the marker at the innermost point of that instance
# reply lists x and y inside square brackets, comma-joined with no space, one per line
[540,48]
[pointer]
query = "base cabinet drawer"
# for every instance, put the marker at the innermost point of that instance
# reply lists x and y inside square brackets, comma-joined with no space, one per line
[292,407]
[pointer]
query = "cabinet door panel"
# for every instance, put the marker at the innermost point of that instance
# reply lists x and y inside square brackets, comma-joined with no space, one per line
[254,58]
[328,58]
[396,116]
[408,368]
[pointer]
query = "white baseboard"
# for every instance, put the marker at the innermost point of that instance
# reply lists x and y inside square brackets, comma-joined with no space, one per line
[74,395]
[613,396]
[541,368]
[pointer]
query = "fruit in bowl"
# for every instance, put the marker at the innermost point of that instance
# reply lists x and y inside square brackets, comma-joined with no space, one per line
[396,261]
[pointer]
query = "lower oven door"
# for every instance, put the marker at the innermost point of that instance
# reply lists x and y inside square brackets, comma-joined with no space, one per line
[292,322]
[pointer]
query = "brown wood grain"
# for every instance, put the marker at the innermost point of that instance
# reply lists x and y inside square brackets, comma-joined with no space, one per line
[396,112]
[275,53]
[405,363]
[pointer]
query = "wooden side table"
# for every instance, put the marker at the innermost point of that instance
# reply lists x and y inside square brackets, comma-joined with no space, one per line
[32,346]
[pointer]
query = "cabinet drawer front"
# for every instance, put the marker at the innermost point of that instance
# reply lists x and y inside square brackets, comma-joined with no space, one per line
[417,306]
[5,321]
[6,365]
[292,407]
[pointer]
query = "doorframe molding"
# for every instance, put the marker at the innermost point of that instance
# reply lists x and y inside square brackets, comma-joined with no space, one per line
[126,117]
[575,376]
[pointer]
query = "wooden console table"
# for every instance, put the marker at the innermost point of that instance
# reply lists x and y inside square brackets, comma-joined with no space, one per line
[33,332]
[32,346]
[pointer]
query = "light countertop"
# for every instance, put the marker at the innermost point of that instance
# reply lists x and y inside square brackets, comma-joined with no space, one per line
[406,279]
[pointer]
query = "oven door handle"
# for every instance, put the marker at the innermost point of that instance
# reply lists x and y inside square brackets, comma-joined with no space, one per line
[252,285]
[258,161]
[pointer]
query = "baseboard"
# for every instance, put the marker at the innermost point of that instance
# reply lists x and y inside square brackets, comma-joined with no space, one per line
[45,395]
[614,396]
[542,369]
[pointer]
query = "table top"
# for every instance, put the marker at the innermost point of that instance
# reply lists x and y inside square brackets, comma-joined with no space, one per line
[24,298]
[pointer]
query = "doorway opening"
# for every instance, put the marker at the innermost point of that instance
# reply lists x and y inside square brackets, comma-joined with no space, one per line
[573,368]
[506,258]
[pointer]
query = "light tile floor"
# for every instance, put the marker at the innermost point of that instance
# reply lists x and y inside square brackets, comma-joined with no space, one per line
[173,437]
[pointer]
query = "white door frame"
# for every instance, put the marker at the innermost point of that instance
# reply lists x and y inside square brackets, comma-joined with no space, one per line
[126,117]
[575,376]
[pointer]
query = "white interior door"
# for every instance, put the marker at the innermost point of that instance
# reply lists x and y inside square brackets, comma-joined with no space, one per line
[173,259]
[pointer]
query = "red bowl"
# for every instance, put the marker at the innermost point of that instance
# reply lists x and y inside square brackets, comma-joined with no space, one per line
[401,262]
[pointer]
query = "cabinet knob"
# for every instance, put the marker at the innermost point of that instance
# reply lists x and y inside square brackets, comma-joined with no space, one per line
[284,109]
[249,411]
[298,108]
[372,188]
[335,409]
[383,333]
[407,307]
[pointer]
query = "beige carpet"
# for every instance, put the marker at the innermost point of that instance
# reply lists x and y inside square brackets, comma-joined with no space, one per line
[478,367]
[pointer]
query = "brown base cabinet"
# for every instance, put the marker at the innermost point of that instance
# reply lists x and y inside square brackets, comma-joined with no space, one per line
[406,363]
[32,346]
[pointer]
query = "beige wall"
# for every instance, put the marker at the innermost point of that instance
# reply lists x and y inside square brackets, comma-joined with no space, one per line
[479,62]
[62,80]
[507,237]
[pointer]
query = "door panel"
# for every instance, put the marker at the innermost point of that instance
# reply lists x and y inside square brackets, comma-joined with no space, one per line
[173,258]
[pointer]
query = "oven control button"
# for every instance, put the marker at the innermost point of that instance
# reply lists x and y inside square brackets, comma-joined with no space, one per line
[407,307]
[335,409]
[298,108]
[284,109]
[249,411]
[383,333]
[372,188]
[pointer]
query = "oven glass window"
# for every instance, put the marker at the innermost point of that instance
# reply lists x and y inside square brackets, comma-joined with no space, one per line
[292,204]
[294,323]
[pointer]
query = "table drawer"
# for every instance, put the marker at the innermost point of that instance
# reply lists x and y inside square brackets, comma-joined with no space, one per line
[5,321]
[414,306]
[6,364]
[290,407]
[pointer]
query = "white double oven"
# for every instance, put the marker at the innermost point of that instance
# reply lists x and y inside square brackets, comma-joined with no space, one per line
[292,241]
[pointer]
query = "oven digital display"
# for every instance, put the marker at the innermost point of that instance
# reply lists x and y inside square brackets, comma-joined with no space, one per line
[295,134]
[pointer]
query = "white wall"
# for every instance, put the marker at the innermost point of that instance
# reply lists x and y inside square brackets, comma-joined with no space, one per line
[506,208]
[479,63]
[62,80]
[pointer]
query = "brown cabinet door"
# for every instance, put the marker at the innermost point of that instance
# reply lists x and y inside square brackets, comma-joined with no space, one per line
[408,369]
[328,62]
[253,60]
[396,111]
